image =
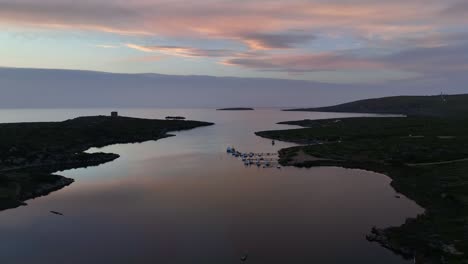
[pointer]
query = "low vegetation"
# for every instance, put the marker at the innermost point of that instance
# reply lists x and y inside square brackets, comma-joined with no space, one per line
[427,158]
[433,106]
[383,140]
[30,152]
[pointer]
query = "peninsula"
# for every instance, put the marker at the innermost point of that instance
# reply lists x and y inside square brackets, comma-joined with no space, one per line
[425,154]
[434,106]
[31,152]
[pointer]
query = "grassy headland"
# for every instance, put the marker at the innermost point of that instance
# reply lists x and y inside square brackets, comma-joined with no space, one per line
[31,152]
[427,159]
[435,106]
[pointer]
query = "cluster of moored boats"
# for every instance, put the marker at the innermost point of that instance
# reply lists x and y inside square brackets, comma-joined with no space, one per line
[265,160]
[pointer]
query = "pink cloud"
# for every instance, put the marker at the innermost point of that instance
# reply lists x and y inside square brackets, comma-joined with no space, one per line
[266,41]
[236,20]
[275,33]
[182,51]
[431,61]
[303,62]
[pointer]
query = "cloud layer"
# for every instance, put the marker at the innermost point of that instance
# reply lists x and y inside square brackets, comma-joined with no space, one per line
[425,37]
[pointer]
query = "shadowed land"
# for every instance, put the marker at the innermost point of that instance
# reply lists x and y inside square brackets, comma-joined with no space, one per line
[424,156]
[433,106]
[31,152]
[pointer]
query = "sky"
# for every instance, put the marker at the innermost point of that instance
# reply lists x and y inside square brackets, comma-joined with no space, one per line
[337,41]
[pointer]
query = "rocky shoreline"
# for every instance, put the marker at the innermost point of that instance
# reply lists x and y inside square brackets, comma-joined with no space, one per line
[50,182]
[20,195]
[428,169]
[30,153]
[381,237]
[46,188]
[428,250]
[442,251]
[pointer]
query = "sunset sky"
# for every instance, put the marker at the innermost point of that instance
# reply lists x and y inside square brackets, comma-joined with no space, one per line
[354,41]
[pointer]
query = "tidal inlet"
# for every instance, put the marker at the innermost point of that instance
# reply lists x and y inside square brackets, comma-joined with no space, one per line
[219,131]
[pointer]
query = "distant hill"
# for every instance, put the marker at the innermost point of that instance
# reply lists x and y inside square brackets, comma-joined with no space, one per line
[25,88]
[435,106]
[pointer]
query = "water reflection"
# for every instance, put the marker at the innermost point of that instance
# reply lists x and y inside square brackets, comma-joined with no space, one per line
[183,200]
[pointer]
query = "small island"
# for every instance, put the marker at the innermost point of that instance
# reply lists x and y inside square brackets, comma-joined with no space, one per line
[425,154]
[31,152]
[236,109]
[175,118]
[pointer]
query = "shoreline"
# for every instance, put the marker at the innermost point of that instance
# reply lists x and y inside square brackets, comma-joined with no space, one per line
[378,235]
[391,237]
[57,182]
[28,164]
[434,181]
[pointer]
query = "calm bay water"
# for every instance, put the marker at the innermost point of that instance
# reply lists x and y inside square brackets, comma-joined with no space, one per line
[184,200]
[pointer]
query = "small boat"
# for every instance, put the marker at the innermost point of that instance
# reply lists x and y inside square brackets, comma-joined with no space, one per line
[244,257]
[55,212]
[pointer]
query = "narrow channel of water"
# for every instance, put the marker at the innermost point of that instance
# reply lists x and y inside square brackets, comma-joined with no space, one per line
[184,200]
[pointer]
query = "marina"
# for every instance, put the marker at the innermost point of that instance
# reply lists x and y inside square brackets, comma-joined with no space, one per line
[264,160]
